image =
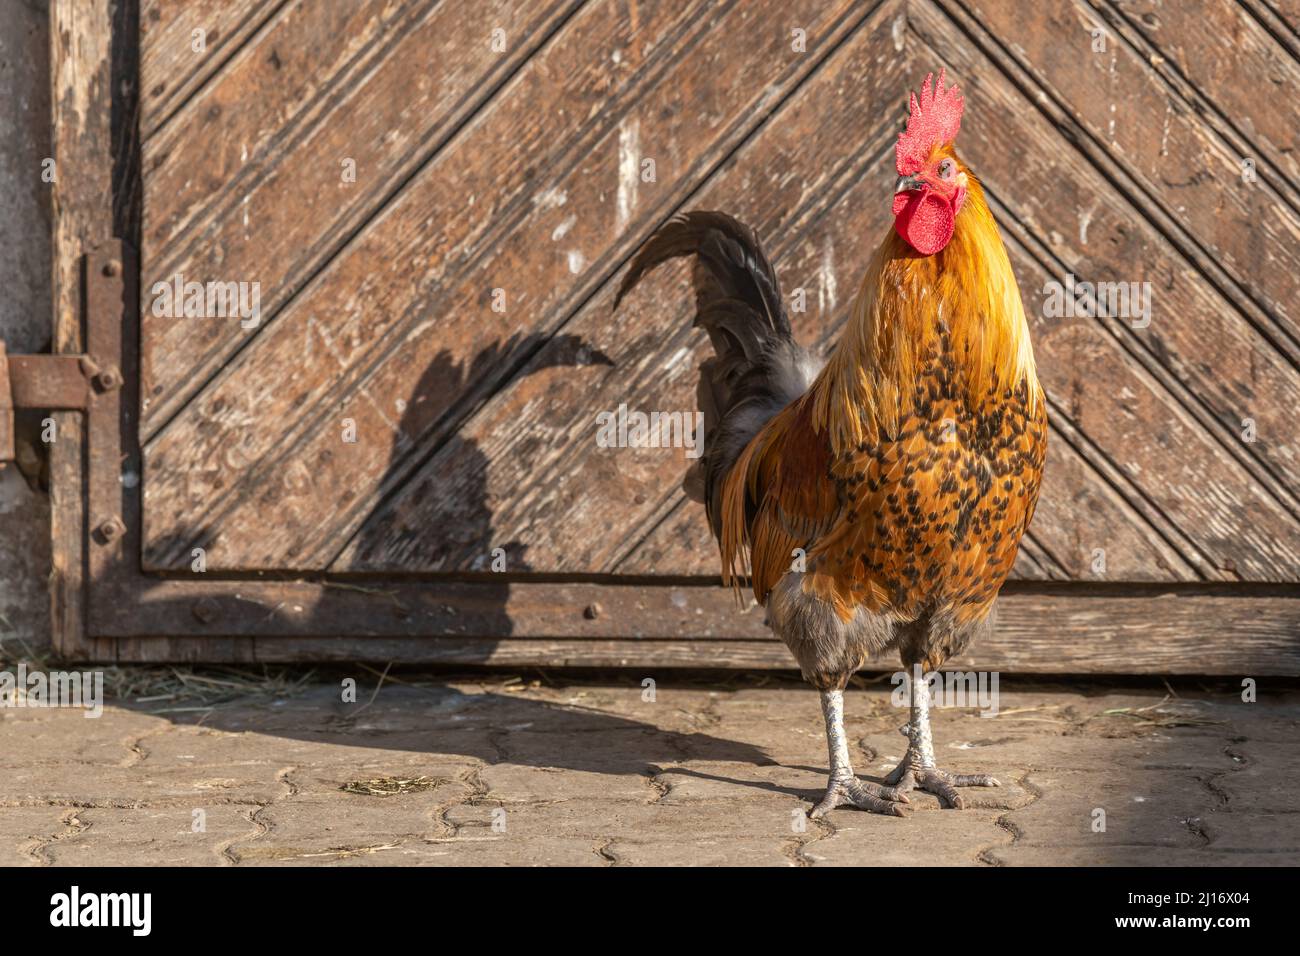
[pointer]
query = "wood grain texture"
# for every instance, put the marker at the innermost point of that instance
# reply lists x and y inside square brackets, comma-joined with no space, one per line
[529,464]
[1222,51]
[1168,632]
[1280,17]
[171,69]
[390,283]
[526,465]
[490,483]
[238,127]
[532,450]
[402,346]
[394,102]
[82,215]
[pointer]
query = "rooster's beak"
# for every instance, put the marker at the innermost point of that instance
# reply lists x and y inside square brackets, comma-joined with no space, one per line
[907,184]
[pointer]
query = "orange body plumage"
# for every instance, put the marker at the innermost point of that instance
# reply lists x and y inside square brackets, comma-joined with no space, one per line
[910,469]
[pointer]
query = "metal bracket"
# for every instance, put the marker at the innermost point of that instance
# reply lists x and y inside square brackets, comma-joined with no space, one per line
[112,501]
[44,382]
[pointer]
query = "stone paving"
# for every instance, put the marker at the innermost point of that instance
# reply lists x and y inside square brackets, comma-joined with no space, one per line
[485,771]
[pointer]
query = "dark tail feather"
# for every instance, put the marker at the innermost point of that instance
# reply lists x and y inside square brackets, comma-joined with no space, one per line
[757,368]
[733,262]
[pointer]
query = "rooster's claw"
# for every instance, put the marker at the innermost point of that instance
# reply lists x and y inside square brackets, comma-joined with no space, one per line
[864,796]
[939,782]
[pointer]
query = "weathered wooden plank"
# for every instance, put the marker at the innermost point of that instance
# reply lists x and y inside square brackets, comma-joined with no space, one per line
[1114,547]
[529,463]
[1002,652]
[1190,175]
[171,68]
[1040,631]
[1035,564]
[278,228]
[189,649]
[488,608]
[1227,55]
[510,652]
[394,270]
[241,125]
[1288,11]
[1170,456]
[1095,496]
[680,540]
[429,328]
[1089,530]
[82,214]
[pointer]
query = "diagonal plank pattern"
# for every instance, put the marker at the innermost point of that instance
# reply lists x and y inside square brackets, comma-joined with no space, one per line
[278,221]
[479,217]
[184,43]
[451,307]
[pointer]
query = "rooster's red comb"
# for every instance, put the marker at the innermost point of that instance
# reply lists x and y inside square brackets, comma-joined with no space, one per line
[933,119]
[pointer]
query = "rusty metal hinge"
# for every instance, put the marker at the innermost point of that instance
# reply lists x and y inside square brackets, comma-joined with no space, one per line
[30,383]
[45,383]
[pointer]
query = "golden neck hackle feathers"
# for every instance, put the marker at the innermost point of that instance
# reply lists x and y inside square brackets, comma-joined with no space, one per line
[866,388]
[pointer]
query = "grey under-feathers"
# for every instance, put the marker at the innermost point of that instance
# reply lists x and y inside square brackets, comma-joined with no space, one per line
[757,368]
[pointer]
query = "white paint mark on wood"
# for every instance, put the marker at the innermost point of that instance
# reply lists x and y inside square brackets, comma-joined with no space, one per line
[562,230]
[553,198]
[1085,218]
[629,168]
[577,261]
[331,346]
[402,440]
[675,358]
[827,290]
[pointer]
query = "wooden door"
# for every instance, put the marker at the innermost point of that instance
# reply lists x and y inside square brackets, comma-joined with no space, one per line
[431,203]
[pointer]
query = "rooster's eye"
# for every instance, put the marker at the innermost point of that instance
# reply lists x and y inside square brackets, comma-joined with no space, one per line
[948,170]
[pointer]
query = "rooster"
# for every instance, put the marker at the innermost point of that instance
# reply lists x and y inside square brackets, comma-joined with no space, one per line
[876,502]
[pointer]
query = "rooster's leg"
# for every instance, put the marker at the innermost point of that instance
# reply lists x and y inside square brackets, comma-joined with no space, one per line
[917,770]
[845,787]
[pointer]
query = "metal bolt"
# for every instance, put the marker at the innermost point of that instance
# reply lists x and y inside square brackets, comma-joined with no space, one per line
[108,379]
[205,610]
[111,268]
[591,612]
[112,529]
